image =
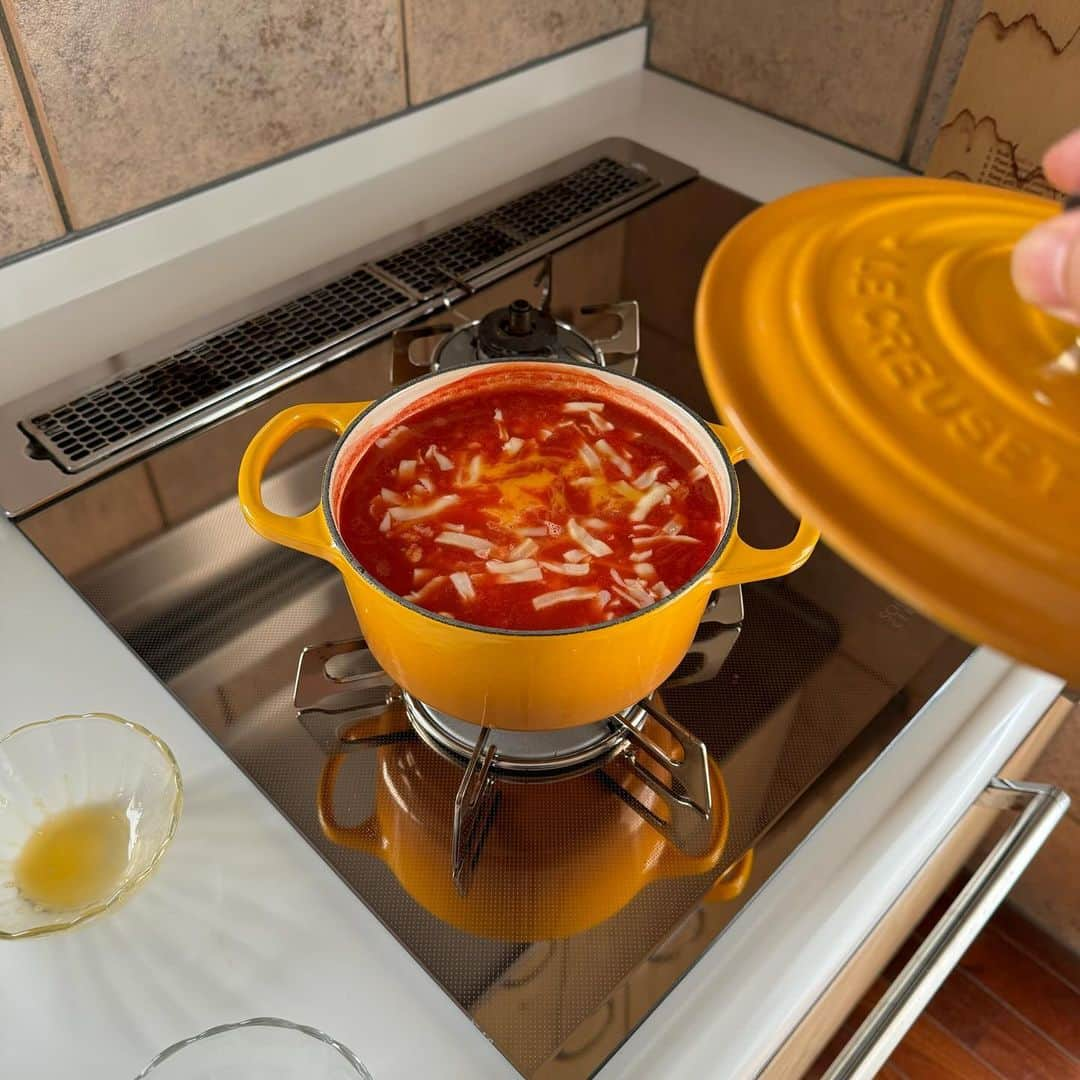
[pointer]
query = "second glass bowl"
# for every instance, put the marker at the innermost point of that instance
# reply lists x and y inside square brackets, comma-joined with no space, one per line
[263,1048]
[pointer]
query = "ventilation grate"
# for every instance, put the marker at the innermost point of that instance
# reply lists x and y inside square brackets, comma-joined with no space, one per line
[433,265]
[129,407]
[442,260]
[82,432]
[557,205]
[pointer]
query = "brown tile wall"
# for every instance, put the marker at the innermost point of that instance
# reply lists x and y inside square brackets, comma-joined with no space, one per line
[111,107]
[28,212]
[851,69]
[875,75]
[453,44]
[133,103]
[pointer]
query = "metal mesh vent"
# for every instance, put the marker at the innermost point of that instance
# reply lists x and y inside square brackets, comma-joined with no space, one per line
[432,265]
[109,417]
[556,205]
[102,420]
[435,263]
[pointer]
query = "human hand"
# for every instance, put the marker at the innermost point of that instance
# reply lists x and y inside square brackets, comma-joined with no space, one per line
[1046,261]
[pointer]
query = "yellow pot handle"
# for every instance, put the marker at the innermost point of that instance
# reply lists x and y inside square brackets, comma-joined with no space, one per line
[731,883]
[675,863]
[308,532]
[366,836]
[742,561]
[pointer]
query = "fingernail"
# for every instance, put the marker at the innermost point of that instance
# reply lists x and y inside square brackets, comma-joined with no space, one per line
[1038,264]
[1065,315]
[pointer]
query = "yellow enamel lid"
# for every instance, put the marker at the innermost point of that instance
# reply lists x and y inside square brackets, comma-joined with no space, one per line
[865,340]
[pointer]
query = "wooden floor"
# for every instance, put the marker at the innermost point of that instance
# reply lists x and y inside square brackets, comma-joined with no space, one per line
[1009,1011]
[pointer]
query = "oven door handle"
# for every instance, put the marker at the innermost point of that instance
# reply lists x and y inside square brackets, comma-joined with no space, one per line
[900,1006]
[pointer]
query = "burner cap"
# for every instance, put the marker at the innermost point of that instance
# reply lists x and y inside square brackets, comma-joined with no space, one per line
[525,755]
[517,330]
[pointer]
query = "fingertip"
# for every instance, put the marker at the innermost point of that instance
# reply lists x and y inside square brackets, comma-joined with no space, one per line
[1061,163]
[1038,266]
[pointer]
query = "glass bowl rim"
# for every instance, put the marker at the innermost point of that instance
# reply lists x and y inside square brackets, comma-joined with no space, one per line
[129,884]
[254,1022]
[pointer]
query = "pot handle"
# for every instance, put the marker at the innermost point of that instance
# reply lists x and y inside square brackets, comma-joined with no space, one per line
[731,883]
[364,837]
[676,863]
[308,532]
[743,561]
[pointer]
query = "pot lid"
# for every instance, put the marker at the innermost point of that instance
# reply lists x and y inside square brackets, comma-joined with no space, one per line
[865,340]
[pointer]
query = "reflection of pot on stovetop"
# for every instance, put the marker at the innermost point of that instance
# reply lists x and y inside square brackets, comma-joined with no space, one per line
[558,858]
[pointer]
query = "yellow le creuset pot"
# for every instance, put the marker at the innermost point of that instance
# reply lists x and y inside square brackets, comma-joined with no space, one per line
[519,680]
[558,859]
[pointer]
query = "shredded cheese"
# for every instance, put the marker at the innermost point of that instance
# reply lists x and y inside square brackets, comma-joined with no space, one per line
[648,477]
[415,513]
[391,436]
[589,542]
[535,574]
[463,584]
[567,569]
[590,457]
[614,457]
[563,596]
[494,566]
[478,544]
[527,547]
[651,499]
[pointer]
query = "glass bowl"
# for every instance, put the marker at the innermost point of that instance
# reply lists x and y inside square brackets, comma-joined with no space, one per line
[263,1048]
[88,805]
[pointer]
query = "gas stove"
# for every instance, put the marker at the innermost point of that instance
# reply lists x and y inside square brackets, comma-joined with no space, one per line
[643,741]
[555,887]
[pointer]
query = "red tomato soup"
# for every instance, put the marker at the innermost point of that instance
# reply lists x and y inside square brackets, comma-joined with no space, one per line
[530,509]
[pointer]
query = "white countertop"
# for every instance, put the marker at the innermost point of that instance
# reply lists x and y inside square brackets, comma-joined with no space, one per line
[243,918]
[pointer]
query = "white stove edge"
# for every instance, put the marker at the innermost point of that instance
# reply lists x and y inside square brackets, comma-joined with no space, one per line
[739,1003]
[243,917]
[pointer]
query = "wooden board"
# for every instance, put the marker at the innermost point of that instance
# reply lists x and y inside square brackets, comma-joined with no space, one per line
[1018,91]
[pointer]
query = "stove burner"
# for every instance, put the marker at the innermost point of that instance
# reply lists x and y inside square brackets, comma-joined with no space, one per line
[526,755]
[517,330]
[521,330]
[343,677]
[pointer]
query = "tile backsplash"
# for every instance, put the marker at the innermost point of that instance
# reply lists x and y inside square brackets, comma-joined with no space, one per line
[111,107]
[851,69]
[29,214]
[136,101]
[975,89]
[144,100]
[453,44]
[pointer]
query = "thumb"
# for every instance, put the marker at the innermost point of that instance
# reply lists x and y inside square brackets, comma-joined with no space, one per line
[1046,266]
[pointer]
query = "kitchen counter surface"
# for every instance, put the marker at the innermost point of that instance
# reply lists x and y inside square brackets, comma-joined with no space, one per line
[243,918]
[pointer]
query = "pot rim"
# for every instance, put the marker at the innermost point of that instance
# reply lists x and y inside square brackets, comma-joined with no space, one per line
[343,550]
